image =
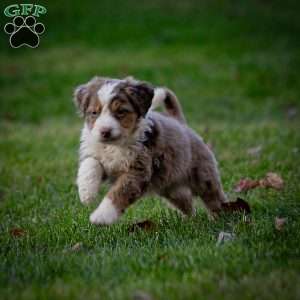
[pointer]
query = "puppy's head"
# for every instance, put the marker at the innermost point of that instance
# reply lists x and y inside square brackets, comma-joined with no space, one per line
[113,108]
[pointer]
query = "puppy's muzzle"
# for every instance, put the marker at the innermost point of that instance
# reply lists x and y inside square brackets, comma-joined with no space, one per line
[105,133]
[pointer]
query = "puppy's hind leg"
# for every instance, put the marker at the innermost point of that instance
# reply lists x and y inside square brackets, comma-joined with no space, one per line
[207,185]
[213,196]
[181,198]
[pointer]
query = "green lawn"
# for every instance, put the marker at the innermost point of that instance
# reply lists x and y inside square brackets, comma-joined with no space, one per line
[235,66]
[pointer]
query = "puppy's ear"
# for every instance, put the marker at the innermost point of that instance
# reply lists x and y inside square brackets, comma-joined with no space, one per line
[140,95]
[81,98]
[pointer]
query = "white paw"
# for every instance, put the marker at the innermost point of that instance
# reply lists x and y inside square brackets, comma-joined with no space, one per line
[88,180]
[105,214]
[85,196]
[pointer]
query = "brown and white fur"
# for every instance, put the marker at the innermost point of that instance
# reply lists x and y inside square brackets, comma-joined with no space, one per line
[138,150]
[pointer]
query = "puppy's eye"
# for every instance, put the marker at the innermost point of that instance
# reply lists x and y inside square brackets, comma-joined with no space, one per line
[94,113]
[121,113]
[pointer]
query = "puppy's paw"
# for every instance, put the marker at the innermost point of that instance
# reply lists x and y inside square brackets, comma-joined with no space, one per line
[85,196]
[105,214]
[88,180]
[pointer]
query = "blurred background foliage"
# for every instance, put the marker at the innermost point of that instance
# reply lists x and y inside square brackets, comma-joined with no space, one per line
[236,60]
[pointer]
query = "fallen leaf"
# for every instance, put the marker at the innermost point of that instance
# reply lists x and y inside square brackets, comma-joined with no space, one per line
[272,180]
[225,237]
[280,223]
[144,225]
[255,151]
[239,205]
[245,185]
[17,232]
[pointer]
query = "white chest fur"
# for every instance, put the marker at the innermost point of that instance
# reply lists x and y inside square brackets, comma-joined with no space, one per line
[113,158]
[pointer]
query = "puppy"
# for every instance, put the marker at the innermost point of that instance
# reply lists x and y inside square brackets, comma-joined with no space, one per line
[138,150]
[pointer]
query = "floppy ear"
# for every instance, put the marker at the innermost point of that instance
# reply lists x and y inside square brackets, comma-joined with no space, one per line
[140,95]
[81,98]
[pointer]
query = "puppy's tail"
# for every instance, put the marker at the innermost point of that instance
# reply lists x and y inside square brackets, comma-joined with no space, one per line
[170,102]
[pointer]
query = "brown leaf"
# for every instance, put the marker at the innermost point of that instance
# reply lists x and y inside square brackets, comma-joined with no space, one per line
[144,225]
[272,180]
[17,232]
[280,223]
[245,185]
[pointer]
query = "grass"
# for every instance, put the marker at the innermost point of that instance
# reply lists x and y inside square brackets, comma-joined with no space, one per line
[234,65]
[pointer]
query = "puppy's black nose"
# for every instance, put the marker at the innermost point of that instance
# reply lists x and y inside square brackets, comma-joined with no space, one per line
[105,133]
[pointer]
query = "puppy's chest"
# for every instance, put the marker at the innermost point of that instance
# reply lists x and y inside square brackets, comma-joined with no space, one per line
[114,159]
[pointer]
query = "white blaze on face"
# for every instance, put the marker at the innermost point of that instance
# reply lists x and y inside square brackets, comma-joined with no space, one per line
[106,120]
[106,92]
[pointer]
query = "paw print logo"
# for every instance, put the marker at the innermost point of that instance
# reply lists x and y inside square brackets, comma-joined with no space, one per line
[24,31]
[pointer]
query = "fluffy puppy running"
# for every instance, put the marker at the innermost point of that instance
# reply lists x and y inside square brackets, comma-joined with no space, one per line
[138,150]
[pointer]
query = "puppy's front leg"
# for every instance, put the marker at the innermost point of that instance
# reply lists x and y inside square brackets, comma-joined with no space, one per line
[126,190]
[89,178]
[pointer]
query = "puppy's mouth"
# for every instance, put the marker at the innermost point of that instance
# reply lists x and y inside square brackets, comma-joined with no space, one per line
[110,140]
